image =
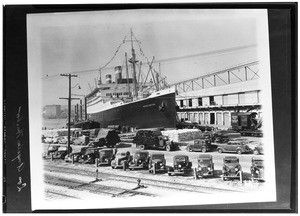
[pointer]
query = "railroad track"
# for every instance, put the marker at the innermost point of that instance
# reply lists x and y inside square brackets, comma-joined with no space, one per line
[163,184]
[92,187]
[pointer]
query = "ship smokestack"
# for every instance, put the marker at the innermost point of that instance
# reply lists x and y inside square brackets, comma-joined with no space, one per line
[118,74]
[108,78]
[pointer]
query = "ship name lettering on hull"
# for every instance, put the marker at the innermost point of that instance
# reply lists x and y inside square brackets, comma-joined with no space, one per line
[149,105]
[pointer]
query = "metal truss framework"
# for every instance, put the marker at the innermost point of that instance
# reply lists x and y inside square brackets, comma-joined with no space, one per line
[235,74]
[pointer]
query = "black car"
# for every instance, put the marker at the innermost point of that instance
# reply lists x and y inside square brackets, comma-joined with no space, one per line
[76,154]
[139,160]
[106,156]
[202,145]
[205,166]
[181,166]
[61,152]
[90,156]
[232,168]
[157,163]
[257,168]
[237,146]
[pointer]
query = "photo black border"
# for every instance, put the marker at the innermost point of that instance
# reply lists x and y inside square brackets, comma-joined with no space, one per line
[283,34]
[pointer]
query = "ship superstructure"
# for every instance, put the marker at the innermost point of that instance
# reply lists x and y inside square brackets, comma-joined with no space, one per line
[130,103]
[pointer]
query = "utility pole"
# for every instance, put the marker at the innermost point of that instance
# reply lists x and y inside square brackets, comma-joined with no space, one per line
[69,108]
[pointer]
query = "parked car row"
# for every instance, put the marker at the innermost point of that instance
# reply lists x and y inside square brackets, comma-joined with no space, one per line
[156,162]
[234,145]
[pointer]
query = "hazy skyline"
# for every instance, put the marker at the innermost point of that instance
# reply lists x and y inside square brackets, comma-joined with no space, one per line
[84,41]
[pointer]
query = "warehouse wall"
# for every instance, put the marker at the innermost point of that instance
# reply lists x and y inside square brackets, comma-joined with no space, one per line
[242,93]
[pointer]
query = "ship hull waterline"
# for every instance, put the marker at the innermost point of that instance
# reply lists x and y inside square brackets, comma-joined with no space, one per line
[155,112]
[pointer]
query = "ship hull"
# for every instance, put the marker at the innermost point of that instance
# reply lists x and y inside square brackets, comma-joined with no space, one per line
[152,112]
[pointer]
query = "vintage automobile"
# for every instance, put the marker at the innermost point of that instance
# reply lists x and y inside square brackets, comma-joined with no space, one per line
[61,152]
[77,154]
[50,150]
[202,145]
[238,146]
[153,139]
[157,163]
[232,168]
[257,168]
[139,160]
[121,160]
[89,156]
[181,166]
[205,166]
[259,149]
[106,156]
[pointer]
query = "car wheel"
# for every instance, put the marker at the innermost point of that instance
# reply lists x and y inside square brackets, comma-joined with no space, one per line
[203,149]
[168,148]
[239,151]
[169,174]
[220,150]
[255,152]
[142,147]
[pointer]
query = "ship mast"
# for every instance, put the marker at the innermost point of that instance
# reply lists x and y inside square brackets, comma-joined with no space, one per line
[133,66]
[127,75]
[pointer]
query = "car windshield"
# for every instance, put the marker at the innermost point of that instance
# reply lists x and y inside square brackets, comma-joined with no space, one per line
[204,161]
[180,159]
[108,152]
[258,163]
[62,149]
[140,155]
[121,154]
[155,157]
[230,160]
[90,151]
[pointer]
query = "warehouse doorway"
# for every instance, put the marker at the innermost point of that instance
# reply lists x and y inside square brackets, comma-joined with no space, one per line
[212,118]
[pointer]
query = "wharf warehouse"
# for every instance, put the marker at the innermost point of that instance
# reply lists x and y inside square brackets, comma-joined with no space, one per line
[211,99]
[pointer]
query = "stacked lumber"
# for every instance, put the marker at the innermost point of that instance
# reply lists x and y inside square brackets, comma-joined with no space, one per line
[182,134]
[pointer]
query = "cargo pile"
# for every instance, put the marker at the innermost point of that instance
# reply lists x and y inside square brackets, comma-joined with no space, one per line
[56,132]
[182,134]
[146,137]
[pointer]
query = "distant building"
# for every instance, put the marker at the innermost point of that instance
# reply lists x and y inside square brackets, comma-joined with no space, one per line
[52,111]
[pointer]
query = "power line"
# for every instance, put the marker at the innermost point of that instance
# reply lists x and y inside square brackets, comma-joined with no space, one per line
[161,60]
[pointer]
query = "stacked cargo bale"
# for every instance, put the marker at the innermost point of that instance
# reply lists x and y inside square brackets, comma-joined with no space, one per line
[146,137]
[182,134]
[109,137]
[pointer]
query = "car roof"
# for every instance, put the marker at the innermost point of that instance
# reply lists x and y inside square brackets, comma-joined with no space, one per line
[230,158]
[257,158]
[180,156]
[106,149]
[157,154]
[200,156]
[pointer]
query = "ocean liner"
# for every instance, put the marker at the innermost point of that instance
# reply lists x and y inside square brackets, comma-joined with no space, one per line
[130,103]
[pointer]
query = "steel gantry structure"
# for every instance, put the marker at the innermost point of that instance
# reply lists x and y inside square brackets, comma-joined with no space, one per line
[240,73]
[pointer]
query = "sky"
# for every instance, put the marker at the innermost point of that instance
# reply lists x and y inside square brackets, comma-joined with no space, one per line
[82,42]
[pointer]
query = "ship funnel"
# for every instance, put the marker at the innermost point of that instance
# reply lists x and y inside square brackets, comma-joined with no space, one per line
[108,78]
[118,74]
